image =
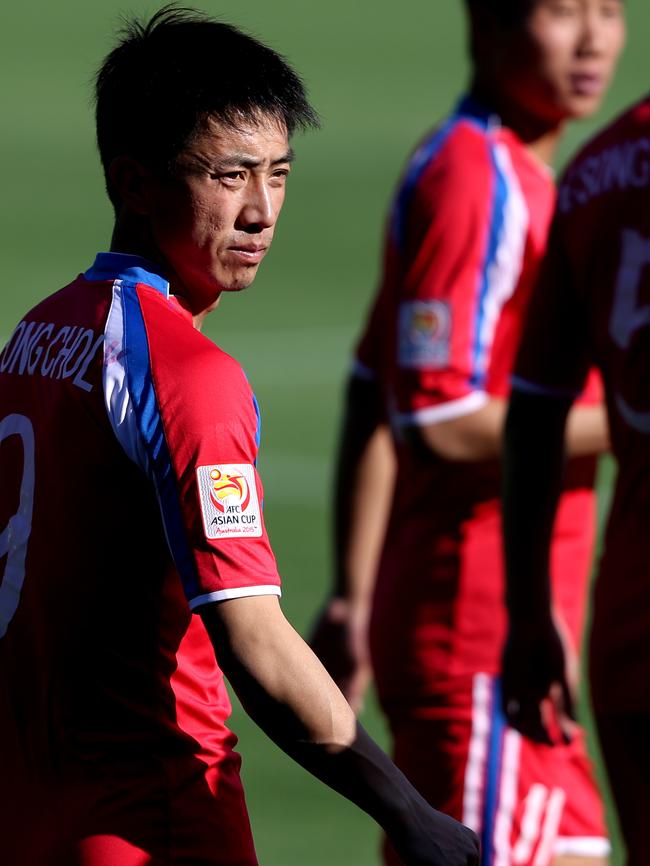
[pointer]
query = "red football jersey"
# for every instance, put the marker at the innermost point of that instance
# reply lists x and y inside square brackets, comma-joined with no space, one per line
[130,496]
[464,241]
[593,305]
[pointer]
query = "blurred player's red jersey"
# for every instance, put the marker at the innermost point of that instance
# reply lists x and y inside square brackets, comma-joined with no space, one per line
[130,496]
[465,239]
[594,299]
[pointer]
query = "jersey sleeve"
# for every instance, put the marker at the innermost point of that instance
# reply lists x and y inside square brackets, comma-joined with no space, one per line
[461,229]
[184,412]
[555,352]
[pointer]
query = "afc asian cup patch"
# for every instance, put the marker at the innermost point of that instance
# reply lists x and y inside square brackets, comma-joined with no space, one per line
[229,504]
[424,334]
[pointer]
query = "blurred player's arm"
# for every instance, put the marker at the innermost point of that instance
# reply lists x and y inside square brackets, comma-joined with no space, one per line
[289,694]
[551,368]
[534,667]
[479,435]
[365,473]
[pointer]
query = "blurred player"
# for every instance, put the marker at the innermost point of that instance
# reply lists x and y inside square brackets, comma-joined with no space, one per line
[592,306]
[465,236]
[131,500]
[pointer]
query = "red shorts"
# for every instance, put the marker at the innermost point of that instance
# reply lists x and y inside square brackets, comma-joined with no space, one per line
[528,802]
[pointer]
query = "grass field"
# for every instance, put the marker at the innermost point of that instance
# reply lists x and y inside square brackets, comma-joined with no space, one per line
[379,73]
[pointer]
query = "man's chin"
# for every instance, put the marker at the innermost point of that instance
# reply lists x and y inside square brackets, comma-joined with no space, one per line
[238,282]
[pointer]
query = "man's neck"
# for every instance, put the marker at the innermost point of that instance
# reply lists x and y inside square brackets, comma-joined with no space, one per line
[197,318]
[131,235]
[539,135]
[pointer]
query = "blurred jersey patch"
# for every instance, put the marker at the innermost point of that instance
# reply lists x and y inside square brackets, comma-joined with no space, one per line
[424,334]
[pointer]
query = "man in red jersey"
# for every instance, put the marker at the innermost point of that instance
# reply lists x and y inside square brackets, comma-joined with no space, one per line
[592,306]
[131,499]
[464,240]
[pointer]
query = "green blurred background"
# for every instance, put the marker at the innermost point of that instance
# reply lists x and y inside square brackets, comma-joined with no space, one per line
[380,74]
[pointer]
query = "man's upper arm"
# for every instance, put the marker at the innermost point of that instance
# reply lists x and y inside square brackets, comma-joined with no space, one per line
[196,425]
[463,252]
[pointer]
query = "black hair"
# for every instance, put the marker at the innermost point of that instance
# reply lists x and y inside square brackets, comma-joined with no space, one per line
[169,75]
[506,12]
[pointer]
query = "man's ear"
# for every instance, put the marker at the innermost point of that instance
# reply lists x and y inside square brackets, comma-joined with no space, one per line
[131,182]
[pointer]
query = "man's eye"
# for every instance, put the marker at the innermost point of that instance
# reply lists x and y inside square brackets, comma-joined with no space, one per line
[612,9]
[563,8]
[228,176]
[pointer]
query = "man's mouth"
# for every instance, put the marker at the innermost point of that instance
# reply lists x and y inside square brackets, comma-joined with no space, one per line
[588,83]
[250,253]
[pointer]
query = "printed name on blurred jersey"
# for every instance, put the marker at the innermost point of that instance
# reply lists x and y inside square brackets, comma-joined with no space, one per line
[57,352]
[622,166]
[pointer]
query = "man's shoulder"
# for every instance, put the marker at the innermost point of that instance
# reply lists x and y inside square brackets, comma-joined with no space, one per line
[182,357]
[627,126]
[450,167]
[71,297]
[458,145]
[614,161]
[76,307]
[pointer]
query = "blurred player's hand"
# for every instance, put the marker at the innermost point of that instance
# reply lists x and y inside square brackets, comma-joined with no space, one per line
[539,681]
[340,640]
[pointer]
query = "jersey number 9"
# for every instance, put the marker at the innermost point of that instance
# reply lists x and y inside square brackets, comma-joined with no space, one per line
[15,535]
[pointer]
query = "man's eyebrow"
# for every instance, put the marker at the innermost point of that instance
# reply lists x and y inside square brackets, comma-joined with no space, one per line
[289,156]
[245,160]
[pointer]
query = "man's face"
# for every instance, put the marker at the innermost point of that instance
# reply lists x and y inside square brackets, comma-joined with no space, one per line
[213,220]
[560,62]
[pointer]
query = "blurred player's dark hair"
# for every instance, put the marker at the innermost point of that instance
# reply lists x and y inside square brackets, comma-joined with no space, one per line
[505,11]
[483,14]
[167,76]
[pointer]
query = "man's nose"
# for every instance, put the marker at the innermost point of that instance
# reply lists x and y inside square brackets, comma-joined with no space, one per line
[258,209]
[594,32]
